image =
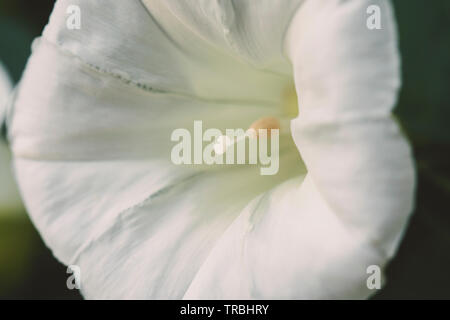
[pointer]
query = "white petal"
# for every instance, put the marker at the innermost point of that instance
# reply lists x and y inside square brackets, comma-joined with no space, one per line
[96,145]
[249,31]
[149,48]
[347,84]
[157,248]
[137,229]
[91,124]
[317,239]
[66,109]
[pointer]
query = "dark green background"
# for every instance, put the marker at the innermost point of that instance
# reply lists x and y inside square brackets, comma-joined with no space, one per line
[421,269]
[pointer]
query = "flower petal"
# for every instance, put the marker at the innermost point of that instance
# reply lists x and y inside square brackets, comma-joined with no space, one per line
[96,145]
[91,115]
[316,239]
[92,120]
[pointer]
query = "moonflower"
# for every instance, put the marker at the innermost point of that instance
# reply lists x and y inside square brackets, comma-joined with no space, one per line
[90,130]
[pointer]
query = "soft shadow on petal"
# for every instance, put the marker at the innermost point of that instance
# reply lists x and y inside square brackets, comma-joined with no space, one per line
[138,230]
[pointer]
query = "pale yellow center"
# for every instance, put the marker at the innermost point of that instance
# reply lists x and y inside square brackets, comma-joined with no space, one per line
[289,107]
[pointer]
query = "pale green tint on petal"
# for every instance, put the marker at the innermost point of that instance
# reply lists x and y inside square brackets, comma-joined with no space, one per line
[127,40]
[247,31]
[68,110]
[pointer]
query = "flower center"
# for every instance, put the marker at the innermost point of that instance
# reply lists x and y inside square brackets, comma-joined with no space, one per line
[267,123]
[290,102]
[289,107]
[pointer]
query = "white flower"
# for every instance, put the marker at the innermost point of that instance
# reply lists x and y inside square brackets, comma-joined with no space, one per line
[91,125]
[9,198]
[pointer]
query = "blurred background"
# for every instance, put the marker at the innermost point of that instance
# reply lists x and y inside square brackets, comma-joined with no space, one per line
[421,268]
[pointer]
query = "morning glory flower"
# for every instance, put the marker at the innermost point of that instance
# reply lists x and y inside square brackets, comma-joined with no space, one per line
[90,131]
